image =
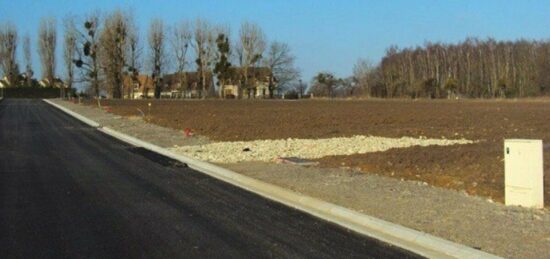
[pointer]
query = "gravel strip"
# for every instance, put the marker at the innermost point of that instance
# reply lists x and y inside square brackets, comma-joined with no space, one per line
[135,126]
[511,232]
[268,150]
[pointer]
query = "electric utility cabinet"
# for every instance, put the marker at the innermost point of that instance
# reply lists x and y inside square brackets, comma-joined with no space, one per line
[523,173]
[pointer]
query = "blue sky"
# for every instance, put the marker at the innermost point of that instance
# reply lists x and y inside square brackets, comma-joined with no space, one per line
[324,35]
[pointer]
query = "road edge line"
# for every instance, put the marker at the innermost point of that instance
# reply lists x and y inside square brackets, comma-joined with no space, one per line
[418,242]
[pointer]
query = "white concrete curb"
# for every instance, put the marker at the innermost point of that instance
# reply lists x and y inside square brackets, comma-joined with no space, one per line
[415,241]
[74,114]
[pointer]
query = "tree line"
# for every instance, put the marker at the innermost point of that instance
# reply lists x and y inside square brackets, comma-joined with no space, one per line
[101,49]
[472,68]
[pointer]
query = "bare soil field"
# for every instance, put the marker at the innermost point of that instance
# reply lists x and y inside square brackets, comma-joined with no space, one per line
[475,168]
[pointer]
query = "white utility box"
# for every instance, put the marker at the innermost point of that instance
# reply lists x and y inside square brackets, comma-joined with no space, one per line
[523,173]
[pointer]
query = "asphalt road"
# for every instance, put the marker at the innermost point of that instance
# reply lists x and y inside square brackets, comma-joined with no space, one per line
[67,190]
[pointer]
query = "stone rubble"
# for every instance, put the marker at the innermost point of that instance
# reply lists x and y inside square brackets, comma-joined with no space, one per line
[269,150]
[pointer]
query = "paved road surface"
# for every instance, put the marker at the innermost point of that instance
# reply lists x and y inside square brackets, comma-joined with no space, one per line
[67,190]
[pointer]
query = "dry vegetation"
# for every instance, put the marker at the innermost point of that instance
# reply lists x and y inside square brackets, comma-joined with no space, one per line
[476,168]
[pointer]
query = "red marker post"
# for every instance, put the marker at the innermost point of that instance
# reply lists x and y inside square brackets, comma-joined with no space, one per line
[187,132]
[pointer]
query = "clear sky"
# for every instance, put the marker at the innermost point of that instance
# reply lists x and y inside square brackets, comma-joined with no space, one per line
[324,35]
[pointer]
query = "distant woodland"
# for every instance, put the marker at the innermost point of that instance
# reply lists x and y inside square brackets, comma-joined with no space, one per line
[470,69]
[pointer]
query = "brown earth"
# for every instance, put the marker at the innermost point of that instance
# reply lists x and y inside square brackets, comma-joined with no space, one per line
[475,168]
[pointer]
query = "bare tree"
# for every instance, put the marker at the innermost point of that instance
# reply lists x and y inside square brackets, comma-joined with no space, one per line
[281,64]
[89,52]
[201,30]
[134,55]
[301,88]
[361,75]
[47,39]
[69,51]
[347,87]
[212,57]
[180,40]
[325,84]
[8,50]
[114,44]
[297,88]
[157,53]
[28,60]
[205,50]
[250,48]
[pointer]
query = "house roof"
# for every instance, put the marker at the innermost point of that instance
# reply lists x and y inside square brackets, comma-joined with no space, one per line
[4,83]
[57,82]
[143,81]
[261,74]
[192,80]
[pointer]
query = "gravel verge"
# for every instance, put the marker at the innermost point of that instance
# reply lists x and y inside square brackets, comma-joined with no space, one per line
[136,126]
[511,232]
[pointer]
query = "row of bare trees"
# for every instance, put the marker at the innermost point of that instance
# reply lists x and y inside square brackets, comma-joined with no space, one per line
[99,51]
[105,51]
[47,39]
[8,50]
[9,67]
[472,68]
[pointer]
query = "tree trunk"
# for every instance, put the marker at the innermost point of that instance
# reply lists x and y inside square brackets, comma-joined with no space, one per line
[271,87]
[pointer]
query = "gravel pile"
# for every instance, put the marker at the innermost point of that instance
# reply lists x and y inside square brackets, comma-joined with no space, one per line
[268,150]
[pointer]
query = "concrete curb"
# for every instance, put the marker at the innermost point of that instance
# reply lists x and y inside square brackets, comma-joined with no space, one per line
[415,241]
[74,114]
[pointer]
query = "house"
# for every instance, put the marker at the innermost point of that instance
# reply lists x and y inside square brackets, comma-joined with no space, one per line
[4,82]
[143,86]
[259,79]
[139,87]
[188,85]
[185,85]
[23,81]
[57,83]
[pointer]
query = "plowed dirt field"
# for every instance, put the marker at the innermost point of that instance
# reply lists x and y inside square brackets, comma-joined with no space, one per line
[476,168]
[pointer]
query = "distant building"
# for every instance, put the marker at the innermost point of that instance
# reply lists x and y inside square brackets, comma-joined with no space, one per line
[57,83]
[4,82]
[259,79]
[185,85]
[140,87]
[188,85]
